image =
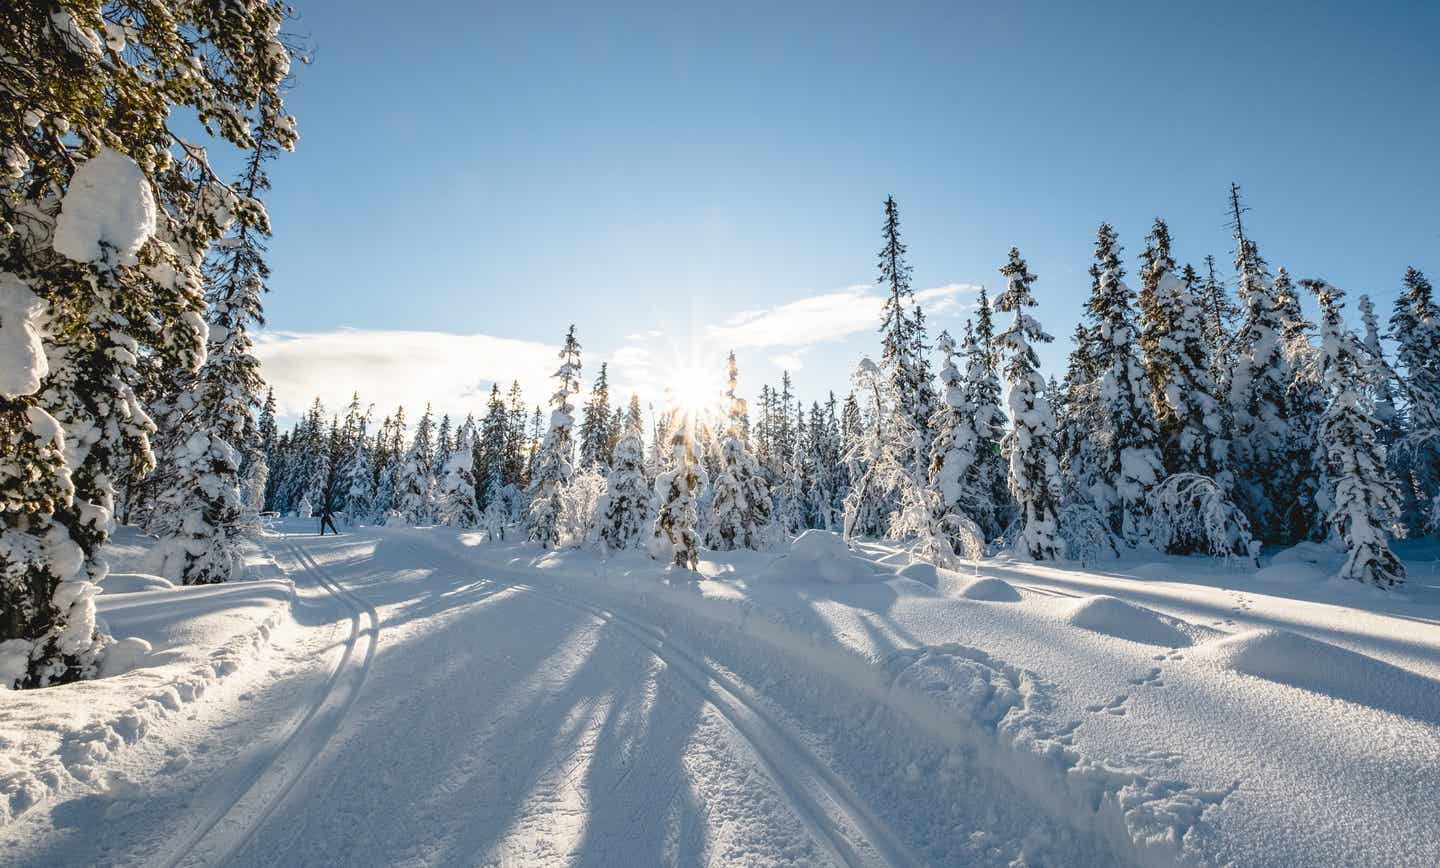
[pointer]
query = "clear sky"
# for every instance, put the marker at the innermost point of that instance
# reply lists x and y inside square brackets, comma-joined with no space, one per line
[676,178]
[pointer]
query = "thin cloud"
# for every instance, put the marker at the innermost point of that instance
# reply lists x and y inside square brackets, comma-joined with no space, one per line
[452,372]
[831,316]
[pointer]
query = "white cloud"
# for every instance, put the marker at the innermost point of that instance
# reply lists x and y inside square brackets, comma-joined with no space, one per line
[831,316]
[388,368]
[791,361]
[643,336]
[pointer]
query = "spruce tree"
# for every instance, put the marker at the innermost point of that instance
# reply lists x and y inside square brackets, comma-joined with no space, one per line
[1362,498]
[958,439]
[673,536]
[457,506]
[1415,328]
[625,510]
[1260,375]
[595,427]
[1178,360]
[108,216]
[740,505]
[554,463]
[1129,453]
[1030,445]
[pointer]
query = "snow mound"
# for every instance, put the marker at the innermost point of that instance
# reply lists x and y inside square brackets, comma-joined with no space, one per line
[992,589]
[108,204]
[921,572]
[1123,620]
[1299,661]
[124,655]
[965,680]
[131,583]
[1292,573]
[821,556]
[1307,553]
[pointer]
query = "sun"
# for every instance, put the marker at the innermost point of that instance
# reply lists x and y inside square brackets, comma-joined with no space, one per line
[693,388]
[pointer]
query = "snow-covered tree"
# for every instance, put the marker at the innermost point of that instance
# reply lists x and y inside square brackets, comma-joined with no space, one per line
[960,432]
[457,504]
[580,503]
[595,426]
[554,464]
[740,504]
[360,485]
[414,497]
[1129,454]
[1178,360]
[625,509]
[1415,328]
[1362,500]
[673,536]
[1030,444]
[1259,378]
[108,217]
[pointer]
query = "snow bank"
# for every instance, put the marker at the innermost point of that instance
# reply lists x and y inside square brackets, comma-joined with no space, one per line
[131,583]
[925,574]
[1299,661]
[183,642]
[821,556]
[108,204]
[1123,620]
[1292,573]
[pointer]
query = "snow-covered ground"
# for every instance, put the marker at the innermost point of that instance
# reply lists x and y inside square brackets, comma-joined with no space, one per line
[423,697]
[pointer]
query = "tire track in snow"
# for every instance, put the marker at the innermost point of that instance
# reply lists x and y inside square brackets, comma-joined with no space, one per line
[251,803]
[838,820]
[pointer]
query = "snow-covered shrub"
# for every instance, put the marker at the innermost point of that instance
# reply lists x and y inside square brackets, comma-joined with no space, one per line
[304,509]
[1190,513]
[580,499]
[1085,532]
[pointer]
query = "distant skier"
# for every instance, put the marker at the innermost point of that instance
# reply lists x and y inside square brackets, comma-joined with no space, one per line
[327,519]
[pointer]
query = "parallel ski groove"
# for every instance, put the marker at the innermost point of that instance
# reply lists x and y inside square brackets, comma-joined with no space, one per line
[274,780]
[782,754]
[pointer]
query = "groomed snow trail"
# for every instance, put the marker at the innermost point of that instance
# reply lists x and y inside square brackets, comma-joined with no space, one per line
[241,806]
[844,825]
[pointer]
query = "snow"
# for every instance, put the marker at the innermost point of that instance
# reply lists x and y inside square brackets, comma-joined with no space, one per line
[426,697]
[22,357]
[1105,614]
[1299,661]
[821,555]
[108,204]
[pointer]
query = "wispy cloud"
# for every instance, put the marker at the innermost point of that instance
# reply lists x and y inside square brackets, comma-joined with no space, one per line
[831,316]
[451,371]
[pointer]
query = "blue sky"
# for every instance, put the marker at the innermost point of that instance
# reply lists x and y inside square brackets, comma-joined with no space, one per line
[473,177]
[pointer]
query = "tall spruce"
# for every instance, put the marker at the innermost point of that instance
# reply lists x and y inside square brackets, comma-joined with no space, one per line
[1362,500]
[555,457]
[1030,444]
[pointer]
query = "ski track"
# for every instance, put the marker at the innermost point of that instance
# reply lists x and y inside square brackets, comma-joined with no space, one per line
[838,820]
[230,829]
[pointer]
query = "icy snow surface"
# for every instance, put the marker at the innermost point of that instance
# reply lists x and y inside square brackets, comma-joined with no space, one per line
[399,696]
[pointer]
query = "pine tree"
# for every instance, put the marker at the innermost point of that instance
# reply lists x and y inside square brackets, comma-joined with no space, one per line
[1220,313]
[958,439]
[1259,377]
[595,427]
[1178,360]
[1030,445]
[106,233]
[1129,454]
[1363,503]
[1300,515]
[982,391]
[457,504]
[673,536]
[360,492]
[625,511]
[1415,328]
[901,336]
[554,464]
[740,506]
